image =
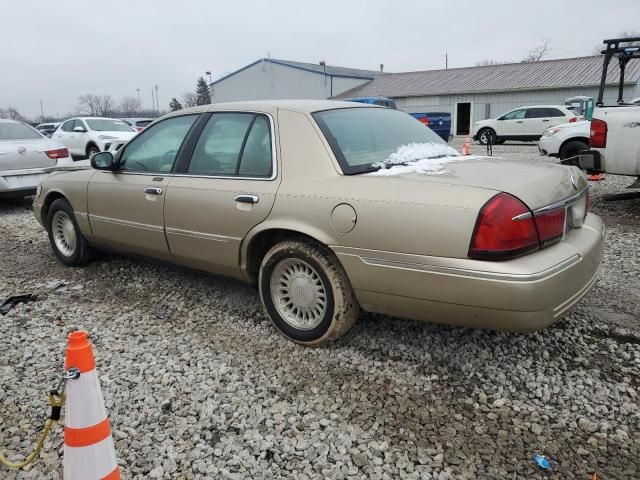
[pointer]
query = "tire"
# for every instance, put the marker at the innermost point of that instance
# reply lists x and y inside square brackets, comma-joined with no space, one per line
[570,150]
[485,135]
[316,281]
[66,240]
[91,151]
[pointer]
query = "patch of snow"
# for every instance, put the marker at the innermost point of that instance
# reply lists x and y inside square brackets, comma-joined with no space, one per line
[418,158]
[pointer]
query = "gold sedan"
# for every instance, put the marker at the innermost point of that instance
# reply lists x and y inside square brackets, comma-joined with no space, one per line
[333,207]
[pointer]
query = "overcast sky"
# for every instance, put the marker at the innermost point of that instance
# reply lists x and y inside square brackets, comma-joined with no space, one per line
[58,50]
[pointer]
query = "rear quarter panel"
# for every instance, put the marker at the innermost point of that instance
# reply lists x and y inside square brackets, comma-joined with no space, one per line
[622,153]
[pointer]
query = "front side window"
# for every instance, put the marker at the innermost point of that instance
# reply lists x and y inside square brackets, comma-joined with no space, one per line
[68,125]
[515,115]
[108,125]
[156,148]
[233,144]
[363,138]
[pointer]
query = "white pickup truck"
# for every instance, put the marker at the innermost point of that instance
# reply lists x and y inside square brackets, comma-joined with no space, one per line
[615,129]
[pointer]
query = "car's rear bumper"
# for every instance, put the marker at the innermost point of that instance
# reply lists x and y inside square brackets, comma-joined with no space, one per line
[523,294]
[17,181]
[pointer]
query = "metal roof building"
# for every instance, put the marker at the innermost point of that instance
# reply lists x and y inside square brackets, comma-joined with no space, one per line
[270,78]
[475,93]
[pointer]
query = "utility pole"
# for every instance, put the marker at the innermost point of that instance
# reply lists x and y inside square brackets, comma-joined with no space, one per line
[41,110]
[139,104]
[446,60]
[157,102]
[153,100]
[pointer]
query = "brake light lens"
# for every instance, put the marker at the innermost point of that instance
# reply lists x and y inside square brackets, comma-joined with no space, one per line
[550,226]
[57,153]
[598,134]
[573,119]
[424,120]
[505,229]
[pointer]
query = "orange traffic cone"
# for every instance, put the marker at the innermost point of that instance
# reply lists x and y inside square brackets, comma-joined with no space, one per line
[466,147]
[89,453]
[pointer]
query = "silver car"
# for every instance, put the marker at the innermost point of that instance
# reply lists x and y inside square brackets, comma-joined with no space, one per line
[26,158]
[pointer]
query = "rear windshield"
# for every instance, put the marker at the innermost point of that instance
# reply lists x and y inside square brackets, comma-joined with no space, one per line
[364,139]
[105,125]
[17,131]
[143,123]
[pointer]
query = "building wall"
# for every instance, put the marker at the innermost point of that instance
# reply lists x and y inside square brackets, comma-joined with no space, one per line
[492,105]
[266,81]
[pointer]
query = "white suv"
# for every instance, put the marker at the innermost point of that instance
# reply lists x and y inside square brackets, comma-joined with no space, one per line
[86,136]
[523,124]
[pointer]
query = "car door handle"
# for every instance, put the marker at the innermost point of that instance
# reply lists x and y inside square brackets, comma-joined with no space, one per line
[153,190]
[519,121]
[247,198]
[547,120]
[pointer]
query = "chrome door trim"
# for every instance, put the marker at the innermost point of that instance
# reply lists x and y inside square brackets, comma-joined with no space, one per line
[203,236]
[126,223]
[553,206]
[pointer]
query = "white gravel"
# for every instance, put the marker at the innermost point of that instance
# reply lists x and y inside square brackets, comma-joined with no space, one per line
[199,385]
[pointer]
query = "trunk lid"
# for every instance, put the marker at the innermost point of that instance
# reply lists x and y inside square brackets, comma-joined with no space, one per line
[537,185]
[25,154]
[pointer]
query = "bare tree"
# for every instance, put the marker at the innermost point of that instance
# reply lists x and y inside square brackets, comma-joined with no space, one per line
[129,106]
[189,99]
[96,105]
[540,52]
[10,113]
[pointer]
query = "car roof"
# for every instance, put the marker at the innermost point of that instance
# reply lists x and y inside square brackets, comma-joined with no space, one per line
[542,106]
[272,106]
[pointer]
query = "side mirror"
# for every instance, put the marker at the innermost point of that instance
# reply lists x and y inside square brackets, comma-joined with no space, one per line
[79,129]
[104,161]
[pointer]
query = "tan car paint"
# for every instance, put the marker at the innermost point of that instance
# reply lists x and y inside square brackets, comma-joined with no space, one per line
[406,254]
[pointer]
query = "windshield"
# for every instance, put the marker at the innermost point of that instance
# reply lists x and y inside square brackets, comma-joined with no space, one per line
[105,125]
[17,131]
[368,139]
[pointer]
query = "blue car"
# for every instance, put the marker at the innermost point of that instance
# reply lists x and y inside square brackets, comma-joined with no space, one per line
[439,122]
[382,101]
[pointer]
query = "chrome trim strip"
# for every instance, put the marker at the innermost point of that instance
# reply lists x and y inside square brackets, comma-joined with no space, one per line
[274,158]
[203,236]
[547,208]
[126,223]
[514,277]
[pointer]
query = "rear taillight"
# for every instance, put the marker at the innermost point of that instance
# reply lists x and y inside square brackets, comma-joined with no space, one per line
[598,136]
[505,229]
[424,120]
[57,153]
[573,119]
[550,226]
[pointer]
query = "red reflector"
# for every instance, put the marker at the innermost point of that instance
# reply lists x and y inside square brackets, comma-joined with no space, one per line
[58,153]
[598,134]
[499,235]
[573,119]
[550,226]
[424,120]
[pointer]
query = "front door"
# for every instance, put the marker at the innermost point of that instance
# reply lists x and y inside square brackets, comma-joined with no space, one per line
[511,124]
[65,135]
[226,188]
[126,206]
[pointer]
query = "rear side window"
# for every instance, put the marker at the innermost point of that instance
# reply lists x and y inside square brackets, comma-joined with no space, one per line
[554,112]
[17,131]
[233,144]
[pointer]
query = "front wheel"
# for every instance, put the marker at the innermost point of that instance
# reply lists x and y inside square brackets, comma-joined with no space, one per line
[91,151]
[66,240]
[306,292]
[486,135]
[570,151]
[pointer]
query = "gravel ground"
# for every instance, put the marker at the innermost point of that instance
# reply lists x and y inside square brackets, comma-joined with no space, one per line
[199,385]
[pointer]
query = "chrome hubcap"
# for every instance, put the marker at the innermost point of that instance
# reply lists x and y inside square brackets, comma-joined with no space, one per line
[298,294]
[64,233]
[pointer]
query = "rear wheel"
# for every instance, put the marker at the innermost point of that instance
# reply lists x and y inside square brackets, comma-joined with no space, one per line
[65,237]
[306,292]
[570,151]
[486,135]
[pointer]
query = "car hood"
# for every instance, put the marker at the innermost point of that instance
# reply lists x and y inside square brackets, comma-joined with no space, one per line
[536,184]
[119,135]
[581,127]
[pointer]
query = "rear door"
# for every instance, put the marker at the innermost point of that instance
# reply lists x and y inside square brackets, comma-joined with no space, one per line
[535,122]
[226,188]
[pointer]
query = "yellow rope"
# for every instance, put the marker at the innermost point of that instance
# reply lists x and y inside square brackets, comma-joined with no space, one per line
[54,402]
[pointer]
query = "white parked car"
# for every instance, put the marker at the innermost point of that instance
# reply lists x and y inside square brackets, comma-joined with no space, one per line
[86,136]
[26,158]
[523,124]
[565,141]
